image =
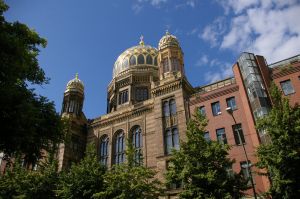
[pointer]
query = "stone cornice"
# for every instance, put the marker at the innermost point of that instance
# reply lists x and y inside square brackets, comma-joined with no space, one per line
[121,115]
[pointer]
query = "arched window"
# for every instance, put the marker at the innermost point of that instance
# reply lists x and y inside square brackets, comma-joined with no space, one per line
[125,63]
[172,107]
[141,59]
[149,60]
[166,65]
[119,145]
[171,140]
[104,150]
[137,142]
[132,60]
[166,109]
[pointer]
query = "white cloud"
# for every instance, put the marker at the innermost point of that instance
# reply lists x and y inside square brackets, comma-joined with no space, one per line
[202,61]
[267,27]
[212,33]
[137,8]
[153,2]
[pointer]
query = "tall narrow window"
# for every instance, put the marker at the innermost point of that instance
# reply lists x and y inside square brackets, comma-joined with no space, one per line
[166,65]
[141,59]
[221,136]
[119,145]
[149,60]
[155,61]
[238,132]
[174,64]
[123,97]
[231,103]
[166,109]
[137,142]
[104,150]
[132,60]
[171,140]
[215,107]
[172,107]
[287,87]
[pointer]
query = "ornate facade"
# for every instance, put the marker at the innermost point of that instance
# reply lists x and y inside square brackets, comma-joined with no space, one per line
[149,101]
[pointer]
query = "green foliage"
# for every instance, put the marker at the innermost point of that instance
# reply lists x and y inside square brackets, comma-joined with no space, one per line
[25,184]
[201,166]
[130,181]
[84,179]
[281,156]
[29,121]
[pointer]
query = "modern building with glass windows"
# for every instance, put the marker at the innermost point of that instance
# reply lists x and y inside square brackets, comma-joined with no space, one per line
[150,100]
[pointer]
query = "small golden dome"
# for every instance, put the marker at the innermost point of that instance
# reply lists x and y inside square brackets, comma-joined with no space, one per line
[168,40]
[136,56]
[75,85]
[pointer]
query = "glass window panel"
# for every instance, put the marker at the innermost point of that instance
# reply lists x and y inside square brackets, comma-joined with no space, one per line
[141,59]
[173,107]
[132,60]
[155,61]
[119,147]
[168,141]
[165,65]
[149,60]
[231,103]
[238,131]
[287,87]
[166,109]
[221,136]
[216,110]
[202,110]
[206,136]
[175,138]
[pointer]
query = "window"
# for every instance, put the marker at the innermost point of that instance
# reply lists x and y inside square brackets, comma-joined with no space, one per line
[245,170]
[202,110]
[221,136]
[231,103]
[172,107]
[171,140]
[123,97]
[175,64]
[215,107]
[141,59]
[206,136]
[237,130]
[104,150]
[166,65]
[119,145]
[132,60]
[149,59]
[141,94]
[287,87]
[137,142]
[166,109]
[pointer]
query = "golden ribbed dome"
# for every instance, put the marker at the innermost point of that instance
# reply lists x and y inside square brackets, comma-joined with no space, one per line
[137,55]
[168,40]
[75,85]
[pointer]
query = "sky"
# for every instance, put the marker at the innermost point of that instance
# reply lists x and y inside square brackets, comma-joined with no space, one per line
[86,37]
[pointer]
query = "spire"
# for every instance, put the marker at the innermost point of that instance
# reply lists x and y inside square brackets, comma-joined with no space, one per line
[142,40]
[76,76]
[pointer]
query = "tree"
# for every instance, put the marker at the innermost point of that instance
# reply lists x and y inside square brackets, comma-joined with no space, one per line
[19,182]
[200,166]
[29,121]
[130,180]
[83,179]
[281,156]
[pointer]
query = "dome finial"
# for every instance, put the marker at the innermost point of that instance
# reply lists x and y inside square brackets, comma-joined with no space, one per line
[76,76]
[167,32]
[142,40]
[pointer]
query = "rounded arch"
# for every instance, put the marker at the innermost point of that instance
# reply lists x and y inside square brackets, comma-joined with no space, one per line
[132,60]
[103,149]
[149,60]
[141,59]
[119,146]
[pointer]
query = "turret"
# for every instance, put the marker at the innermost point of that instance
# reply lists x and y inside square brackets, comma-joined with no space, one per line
[170,58]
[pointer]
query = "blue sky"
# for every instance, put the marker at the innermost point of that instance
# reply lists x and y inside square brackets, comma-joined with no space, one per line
[87,37]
